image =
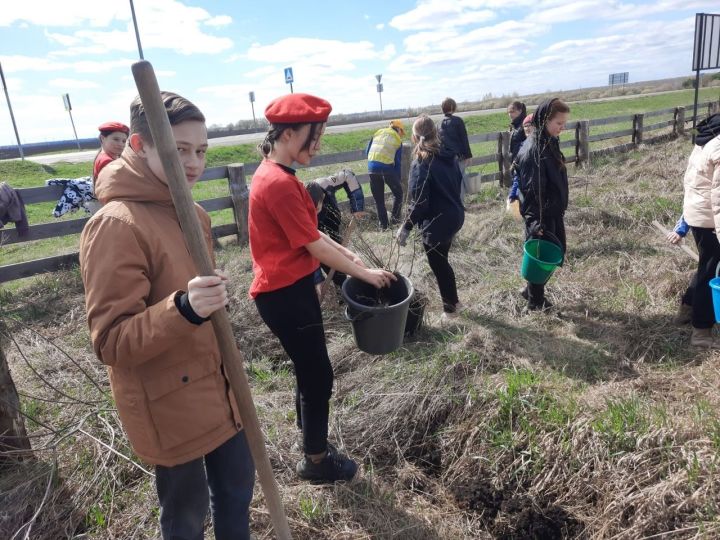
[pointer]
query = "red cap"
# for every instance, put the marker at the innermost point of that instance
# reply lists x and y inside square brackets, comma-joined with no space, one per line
[114,126]
[527,120]
[297,109]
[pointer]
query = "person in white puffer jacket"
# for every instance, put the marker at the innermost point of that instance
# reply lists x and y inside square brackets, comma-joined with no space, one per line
[701,208]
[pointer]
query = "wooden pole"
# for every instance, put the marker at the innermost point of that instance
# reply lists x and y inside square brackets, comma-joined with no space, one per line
[331,274]
[232,360]
[694,256]
[582,144]
[240,196]
[637,137]
[14,443]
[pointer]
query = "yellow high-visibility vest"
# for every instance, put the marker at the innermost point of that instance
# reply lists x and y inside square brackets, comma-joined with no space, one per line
[384,145]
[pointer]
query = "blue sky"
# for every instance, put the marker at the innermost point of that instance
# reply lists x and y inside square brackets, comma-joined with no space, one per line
[215,52]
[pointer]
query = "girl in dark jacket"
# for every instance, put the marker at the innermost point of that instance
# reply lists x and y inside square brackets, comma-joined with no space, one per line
[544,185]
[436,206]
[517,113]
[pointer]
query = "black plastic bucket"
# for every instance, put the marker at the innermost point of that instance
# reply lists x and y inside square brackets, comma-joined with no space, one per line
[416,313]
[378,316]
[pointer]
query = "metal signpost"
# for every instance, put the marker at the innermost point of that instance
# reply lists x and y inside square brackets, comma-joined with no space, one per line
[706,50]
[380,91]
[12,116]
[68,108]
[137,33]
[289,78]
[252,104]
[617,78]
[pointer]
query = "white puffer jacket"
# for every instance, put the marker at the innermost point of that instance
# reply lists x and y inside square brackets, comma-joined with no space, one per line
[701,207]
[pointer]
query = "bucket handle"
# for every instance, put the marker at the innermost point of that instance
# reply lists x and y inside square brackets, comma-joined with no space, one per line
[717,269]
[362,316]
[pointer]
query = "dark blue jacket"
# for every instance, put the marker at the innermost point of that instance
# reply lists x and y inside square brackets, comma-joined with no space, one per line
[517,137]
[435,203]
[453,135]
[542,173]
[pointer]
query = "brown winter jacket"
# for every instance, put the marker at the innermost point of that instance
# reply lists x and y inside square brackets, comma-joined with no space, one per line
[165,372]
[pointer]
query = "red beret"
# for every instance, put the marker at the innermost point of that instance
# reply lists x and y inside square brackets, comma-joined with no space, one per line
[528,120]
[297,109]
[114,126]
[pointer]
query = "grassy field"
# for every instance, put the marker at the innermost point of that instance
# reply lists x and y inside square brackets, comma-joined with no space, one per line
[594,421]
[28,174]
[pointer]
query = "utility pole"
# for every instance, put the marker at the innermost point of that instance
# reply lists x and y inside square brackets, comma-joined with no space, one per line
[380,91]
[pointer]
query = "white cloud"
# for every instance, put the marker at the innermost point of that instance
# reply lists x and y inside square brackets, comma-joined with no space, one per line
[380,26]
[332,54]
[49,13]
[219,20]
[70,84]
[433,14]
[163,24]
[552,12]
[19,63]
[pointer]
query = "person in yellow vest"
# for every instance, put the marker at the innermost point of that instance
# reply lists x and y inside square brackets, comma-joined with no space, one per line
[383,153]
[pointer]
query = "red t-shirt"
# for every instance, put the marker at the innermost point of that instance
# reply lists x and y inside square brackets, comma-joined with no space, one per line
[101,160]
[281,221]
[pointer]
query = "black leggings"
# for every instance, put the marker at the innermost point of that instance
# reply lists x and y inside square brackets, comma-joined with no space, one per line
[556,226]
[703,315]
[437,255]
[377,187]
[294,316]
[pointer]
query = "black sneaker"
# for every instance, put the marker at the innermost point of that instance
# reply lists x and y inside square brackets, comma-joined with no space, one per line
[543,305]
[333,467]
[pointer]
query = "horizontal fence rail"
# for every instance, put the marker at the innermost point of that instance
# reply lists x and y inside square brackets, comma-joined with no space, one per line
[238,188]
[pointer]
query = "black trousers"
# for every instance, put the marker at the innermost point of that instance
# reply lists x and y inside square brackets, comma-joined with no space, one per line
[437,255]
[293,314]
[689,295]
[709,251]
[377,187]
[555,225]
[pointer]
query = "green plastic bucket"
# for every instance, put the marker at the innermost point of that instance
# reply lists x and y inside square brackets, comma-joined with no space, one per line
[540,259]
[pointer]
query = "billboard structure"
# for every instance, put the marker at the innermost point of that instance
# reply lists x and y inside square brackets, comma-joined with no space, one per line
[706,50]
[618,79]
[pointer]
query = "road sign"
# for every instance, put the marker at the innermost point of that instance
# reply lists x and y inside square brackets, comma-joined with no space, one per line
[252,96]
[379,87]
[66,102]
[706,52]
[289,75]
[618,78]
[378,77]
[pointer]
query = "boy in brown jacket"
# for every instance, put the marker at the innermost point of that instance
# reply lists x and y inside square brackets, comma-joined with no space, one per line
[148,313]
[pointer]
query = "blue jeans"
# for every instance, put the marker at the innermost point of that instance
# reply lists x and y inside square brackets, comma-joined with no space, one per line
[228,472]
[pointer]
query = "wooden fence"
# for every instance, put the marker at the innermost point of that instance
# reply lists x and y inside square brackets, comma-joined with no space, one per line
[237,175]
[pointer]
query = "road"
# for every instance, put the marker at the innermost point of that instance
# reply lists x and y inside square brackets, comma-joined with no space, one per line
[89,155]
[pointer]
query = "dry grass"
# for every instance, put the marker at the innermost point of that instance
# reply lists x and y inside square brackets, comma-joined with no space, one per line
[594,421]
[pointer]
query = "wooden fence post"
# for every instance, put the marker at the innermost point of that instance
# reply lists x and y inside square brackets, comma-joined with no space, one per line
[679,121]
[713,107]
[637,137]
[582,143]
[405,161]
[13,436]
[504,162]
[240,196]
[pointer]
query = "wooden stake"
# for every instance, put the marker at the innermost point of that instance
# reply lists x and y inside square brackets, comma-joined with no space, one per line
[232,360]
[694,256]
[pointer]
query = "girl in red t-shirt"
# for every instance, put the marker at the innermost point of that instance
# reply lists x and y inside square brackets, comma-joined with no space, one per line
[113,136]
[286,248]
